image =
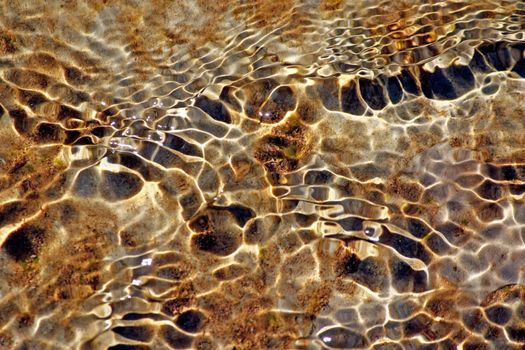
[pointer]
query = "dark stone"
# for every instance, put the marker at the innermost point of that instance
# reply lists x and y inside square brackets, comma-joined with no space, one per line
[409,82]
[420,282]
[436,85]
[177,143]
[373,94]
[497,55]
[461,77]
[447,344]
[387,346]
[519,67]
[217,243]
[71,136]
[453,233]
[214,109]
[171,273]
[347,316]
[499,314]
[23,123]
[406,279]
[395,92]
[128,347]
[479,64]
[83,141]
[517,190]
[166,158]
[227,95]
[417,228]
[190,321]
[119,186]
[367,171]
[490,190]
[350,264]
[190,203]
[401,309]
[509,173]
[102,131]
[516,334]
[25,242]
[405,246]
[372,274]
[241,213]
[474,321]
[495,335]
[489,89]
[255,231]
[304,220]
[68,113]
[374,334]
[134,162]
[32,99]
[394,330]
[351,223]
[208,179]
[474,345]
[318,177]
[350,102]
[342,338]
[417,325]
[174,338]
[494,171]
[200,224]
[139,333]
[74,76]
[520,312]
[10,212]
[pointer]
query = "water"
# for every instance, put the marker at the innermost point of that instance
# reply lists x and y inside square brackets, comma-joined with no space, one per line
[262,175]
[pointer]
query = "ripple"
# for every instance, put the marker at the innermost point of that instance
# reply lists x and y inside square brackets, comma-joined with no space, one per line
[262,175]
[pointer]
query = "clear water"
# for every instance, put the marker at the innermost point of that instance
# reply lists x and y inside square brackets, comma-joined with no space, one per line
[262,175]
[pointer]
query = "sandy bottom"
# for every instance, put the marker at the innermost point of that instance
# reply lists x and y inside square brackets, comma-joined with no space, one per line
[262,175]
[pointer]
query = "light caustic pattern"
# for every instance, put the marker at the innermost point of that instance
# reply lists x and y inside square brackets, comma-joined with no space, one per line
[262,175]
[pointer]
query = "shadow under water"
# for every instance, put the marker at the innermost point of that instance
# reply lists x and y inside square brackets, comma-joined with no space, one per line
[262,174]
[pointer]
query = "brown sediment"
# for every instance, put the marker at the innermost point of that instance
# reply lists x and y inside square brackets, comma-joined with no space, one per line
[284,147]
[409,191]
[183,297]
[264,13]
[315,296]
[7,42]
[502,293]
[134,148]
[331,5]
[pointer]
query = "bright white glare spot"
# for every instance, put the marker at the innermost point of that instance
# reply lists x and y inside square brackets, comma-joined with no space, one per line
[146,262]
[327,339]
[265,114]
[369,231]
[135,282]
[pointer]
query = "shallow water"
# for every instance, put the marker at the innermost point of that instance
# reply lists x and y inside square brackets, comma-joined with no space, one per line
[262,175]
